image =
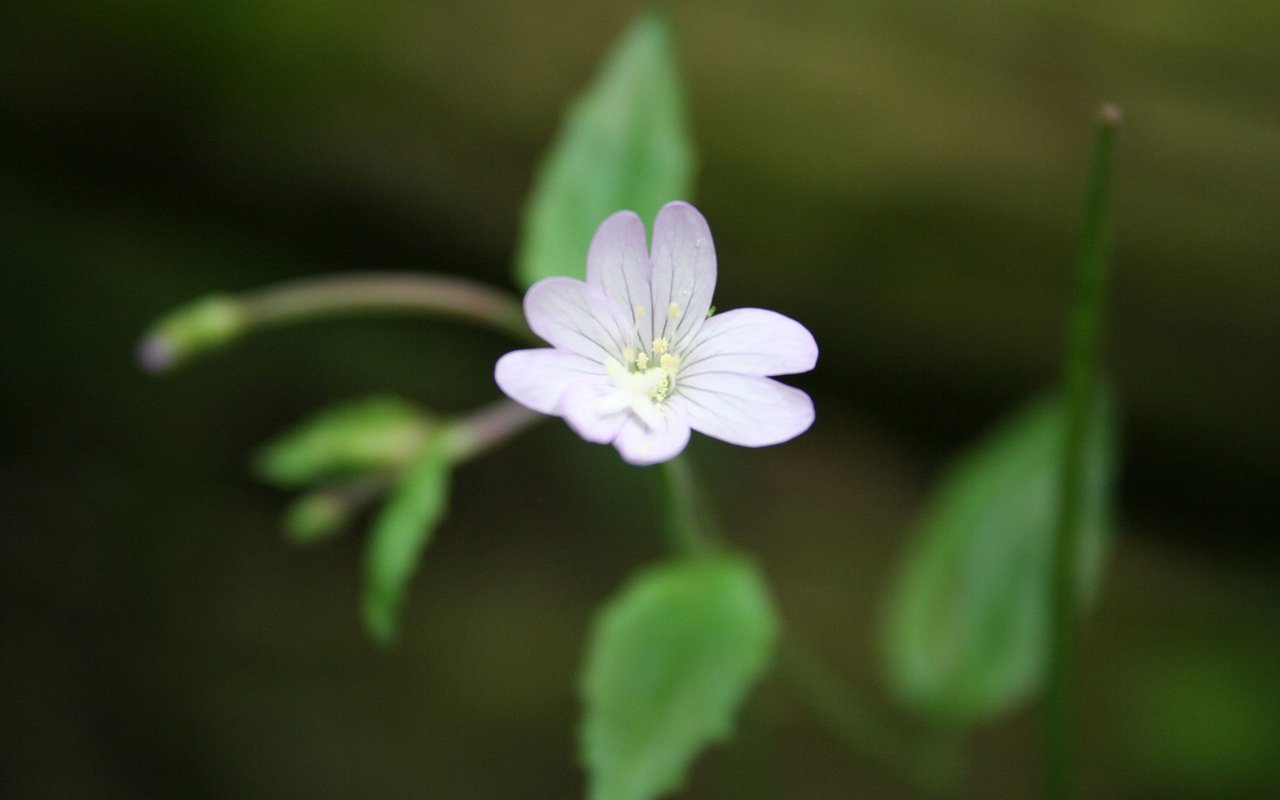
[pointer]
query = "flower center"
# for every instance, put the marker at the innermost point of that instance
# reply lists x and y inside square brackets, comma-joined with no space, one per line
[642,382]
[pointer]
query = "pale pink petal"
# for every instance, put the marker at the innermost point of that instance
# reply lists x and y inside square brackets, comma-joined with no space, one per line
[750,341]
[576,317]
[537,378]
[587,405]
[743,409]
[641,445]
[684,273]
[618,262]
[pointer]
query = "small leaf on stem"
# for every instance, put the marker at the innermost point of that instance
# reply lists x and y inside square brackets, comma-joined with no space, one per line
[967,623]
[670,662]
[401,534]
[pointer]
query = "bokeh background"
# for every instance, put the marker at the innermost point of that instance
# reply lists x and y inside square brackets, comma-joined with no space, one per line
[905,177]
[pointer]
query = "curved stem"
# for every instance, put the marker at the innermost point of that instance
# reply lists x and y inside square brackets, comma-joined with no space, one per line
[1080,370]
[691,530]
[482,430]
[346,294]
[930,765]
[214,321]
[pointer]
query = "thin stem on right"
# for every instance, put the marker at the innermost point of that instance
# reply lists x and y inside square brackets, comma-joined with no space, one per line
[1080,377]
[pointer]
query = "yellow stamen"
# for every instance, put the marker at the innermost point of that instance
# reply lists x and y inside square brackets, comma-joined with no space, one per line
[659,346]
[640,312]
[642,361]
[673,310]
[669,363]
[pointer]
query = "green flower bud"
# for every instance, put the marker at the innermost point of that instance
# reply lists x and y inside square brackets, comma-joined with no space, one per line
[203,325]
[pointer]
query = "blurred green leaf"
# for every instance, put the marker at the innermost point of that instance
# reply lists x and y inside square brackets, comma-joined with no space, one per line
[401,533]
[372,435]
[624,144]
[671,660]
[967,623]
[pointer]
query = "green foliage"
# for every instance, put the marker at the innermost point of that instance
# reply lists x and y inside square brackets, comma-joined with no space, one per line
[624,144]
[670,662]
[967,623]
[371,435]
[401,533]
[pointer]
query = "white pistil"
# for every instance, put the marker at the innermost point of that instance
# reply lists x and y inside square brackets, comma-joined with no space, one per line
[640,386]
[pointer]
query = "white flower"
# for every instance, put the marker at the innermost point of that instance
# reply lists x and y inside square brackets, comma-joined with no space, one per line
[636,360]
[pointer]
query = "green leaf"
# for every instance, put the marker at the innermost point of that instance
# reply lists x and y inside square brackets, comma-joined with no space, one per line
[372,435]
[624,145]
[671,660]
[401,533]
[967,622]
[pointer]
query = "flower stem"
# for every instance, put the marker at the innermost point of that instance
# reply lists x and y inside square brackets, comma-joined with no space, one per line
[689,525]
[484,429]
[929,765]
[346,294]
[1080,375]
[217,320]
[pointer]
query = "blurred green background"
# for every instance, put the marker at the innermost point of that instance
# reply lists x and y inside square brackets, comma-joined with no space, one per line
[904,177]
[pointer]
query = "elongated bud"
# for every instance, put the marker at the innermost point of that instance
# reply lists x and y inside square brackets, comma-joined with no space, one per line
[317,516]
[203,325]
[323,513]
[375,435]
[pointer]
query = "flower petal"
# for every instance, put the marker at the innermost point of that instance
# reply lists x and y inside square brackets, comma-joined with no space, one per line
[538,378]
[750,341]
[589,408]
[642,445]
[684,273]
[577,317]
[743,409]
[618,261]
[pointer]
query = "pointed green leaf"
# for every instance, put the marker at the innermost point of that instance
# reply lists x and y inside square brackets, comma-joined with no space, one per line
[401,533]
[670,661]
[624,145]
[967,623]
[372,435]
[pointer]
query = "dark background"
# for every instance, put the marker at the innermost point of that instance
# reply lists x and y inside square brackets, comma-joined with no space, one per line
[904,177]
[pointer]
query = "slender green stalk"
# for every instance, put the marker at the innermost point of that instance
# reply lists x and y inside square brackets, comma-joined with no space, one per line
[930,765]
[1080,375]
[346,294]
[688,525]
[217,320]
[490,426]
